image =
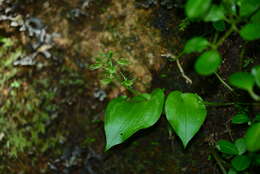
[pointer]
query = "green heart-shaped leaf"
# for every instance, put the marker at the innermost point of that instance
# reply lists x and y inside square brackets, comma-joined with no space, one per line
[252,138]
[208,63]
[124,117]
[186,113]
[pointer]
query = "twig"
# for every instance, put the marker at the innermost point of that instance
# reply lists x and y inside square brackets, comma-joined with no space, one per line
[218,160]
[188,80]
[224,83]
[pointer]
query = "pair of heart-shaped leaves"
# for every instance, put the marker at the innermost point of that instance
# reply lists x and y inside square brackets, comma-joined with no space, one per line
[184,111]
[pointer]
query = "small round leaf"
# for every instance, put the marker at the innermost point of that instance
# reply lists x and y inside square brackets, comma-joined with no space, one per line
[196,44]
[242,80]
[252,138]
[250,31]
[208,63]
[247,7]
[241,162]
[215,13]
[240,119]
[197,8]
[256,74]
[227,147]
[256,17]
[241,145]
[185,113]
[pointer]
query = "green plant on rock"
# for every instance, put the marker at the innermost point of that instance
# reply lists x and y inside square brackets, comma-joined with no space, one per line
[124,116]
[111,68]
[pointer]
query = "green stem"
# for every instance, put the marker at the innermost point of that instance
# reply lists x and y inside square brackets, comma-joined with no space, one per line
[224,83]
[254,95]
[218,160]
[229,103]
[225,36]
[133,91]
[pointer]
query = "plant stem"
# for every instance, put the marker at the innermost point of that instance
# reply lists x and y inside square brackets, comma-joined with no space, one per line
[218,160]
[229,103]
[225,36]
[224,83]
[118,79]
[188,80]
[254,95]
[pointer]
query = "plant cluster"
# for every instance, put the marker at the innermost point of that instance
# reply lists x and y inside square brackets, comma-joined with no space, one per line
[241,155]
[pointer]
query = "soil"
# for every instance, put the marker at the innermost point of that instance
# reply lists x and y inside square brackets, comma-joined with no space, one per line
[140,35]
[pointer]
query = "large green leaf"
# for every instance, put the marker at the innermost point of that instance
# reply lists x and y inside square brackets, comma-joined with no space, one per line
[186,113]
[256,74]
[252,138]
[124,117]
[250,31]
[208,63]
[242,80]
[197,8]
[195,44]
[216,13]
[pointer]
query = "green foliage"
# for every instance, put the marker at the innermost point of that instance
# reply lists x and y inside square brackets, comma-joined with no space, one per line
[247,7]
[225,12]
[256,73]
[197,8]
[243,153]
[246,81]
[227,147]
[208,63]
[240,119]
[111,68]
[219,25]
[196,44]
[240,145]
[186,113]
[250,31]
[241,163]
[125,117]
[242,80]
[216,13]
[252,138]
